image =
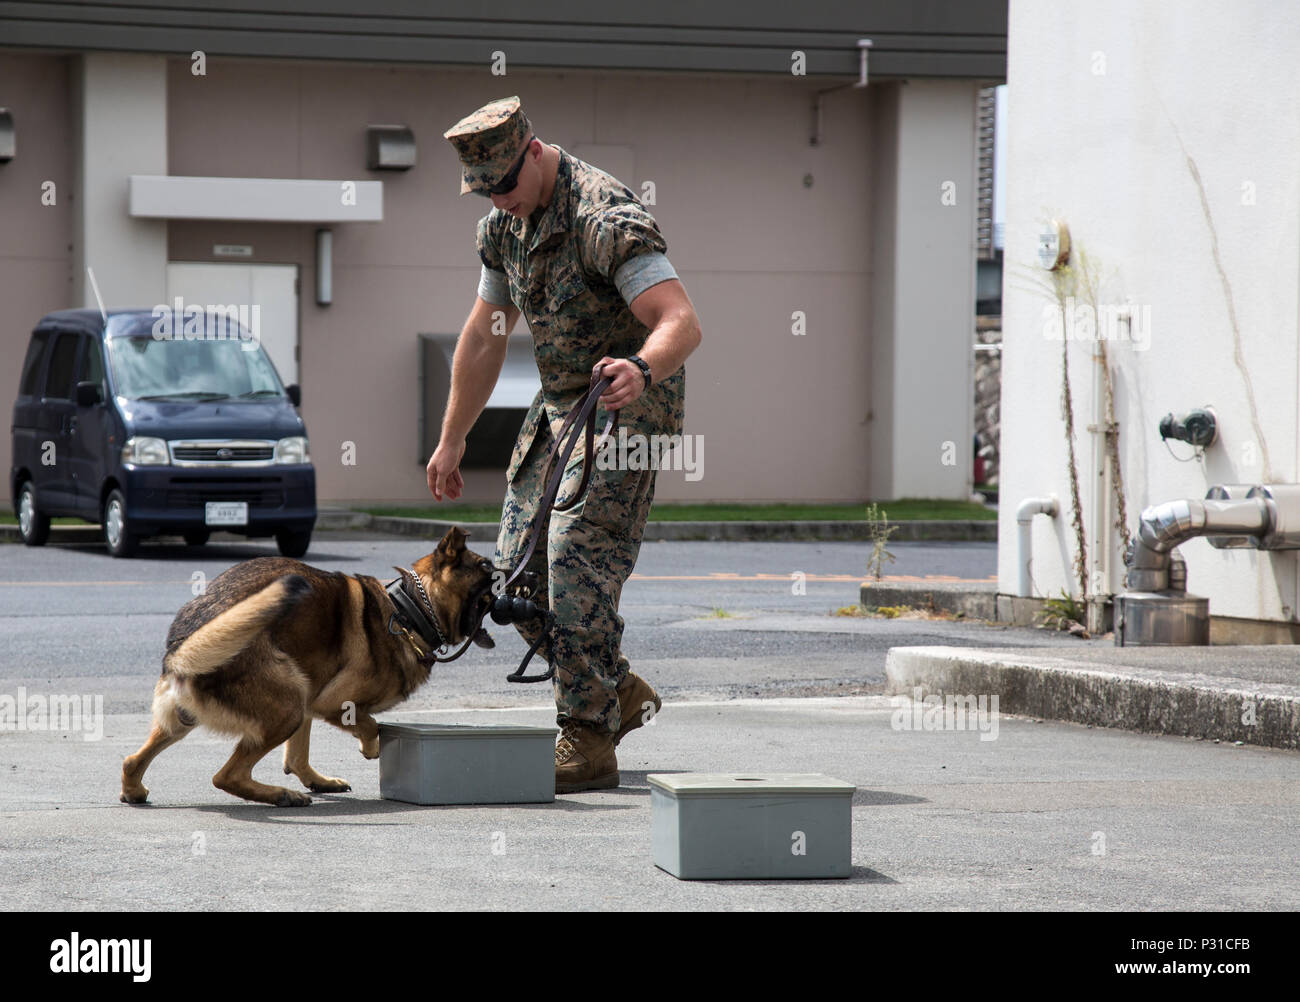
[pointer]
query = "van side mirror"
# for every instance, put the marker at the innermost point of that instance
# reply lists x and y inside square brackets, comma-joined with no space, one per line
[295,394]
[89,394]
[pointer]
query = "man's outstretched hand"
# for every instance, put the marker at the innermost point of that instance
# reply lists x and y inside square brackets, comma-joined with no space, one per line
[443,471]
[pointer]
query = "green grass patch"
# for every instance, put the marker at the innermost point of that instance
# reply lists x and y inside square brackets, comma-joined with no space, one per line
[902,510]
[8,518]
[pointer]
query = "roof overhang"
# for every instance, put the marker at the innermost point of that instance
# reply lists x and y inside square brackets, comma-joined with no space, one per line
[937,38]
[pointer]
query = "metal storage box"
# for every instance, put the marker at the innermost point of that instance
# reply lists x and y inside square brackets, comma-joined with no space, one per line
[716,826]
[466,764]
[1161,619]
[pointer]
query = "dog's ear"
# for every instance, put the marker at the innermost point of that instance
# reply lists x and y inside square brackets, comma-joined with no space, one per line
[453,544]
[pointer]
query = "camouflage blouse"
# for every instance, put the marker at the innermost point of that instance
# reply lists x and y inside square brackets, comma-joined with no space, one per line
[560,275]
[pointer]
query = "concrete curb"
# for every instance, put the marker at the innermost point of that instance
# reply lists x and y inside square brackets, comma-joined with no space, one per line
[961,598]
[908,532]
[1135,699]
[427,528]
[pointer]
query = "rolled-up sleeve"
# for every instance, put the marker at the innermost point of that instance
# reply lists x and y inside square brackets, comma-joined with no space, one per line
[493,287]
[487,241]
[623,245]
[639,273]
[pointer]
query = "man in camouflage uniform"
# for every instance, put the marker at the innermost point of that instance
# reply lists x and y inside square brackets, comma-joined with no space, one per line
[574,250]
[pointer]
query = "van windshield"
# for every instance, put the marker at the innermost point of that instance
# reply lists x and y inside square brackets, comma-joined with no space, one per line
[145,368]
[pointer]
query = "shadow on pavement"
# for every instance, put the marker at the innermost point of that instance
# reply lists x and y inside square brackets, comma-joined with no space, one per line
[325,808]
[880,798]
[857,875]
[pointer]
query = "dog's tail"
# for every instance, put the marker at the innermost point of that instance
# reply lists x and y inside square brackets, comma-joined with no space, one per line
[216,642]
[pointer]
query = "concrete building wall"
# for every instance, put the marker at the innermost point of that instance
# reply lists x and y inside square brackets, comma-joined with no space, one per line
[922,443]
[759,224]
[791,251]
[1166,135]
[36,221]
[119,129]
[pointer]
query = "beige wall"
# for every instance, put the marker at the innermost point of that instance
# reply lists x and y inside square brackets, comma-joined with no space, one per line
[924,253]
[782,416]
[35,239]
[119,129]
[759,224]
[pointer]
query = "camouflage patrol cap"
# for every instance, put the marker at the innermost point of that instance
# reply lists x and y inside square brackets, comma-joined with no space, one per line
[489,142]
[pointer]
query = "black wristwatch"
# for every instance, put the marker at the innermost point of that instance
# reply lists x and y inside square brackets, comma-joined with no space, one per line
[641,364]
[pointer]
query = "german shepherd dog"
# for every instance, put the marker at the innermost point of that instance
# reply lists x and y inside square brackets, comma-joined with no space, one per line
[273,643]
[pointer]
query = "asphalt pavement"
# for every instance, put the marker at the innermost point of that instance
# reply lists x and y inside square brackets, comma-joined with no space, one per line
[756,676]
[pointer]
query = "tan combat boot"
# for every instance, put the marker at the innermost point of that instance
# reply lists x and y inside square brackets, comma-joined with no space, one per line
[584,759]
[635,697]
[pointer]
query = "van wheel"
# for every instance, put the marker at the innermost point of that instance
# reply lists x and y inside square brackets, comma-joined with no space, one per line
[33,526]
[293,544]
[198,537]
[121,542]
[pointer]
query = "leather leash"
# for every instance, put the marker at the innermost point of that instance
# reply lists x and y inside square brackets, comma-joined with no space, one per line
[417,617]
[580,421]
[582,418]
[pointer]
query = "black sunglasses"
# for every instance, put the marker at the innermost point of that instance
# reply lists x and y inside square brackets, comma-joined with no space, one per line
[511,181]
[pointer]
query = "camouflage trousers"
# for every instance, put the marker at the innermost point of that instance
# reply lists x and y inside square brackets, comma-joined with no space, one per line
[581,563]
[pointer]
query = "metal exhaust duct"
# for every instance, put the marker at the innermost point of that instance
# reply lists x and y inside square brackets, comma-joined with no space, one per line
[1156,610]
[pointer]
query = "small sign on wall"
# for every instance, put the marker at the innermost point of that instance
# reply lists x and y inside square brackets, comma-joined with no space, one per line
[232,250]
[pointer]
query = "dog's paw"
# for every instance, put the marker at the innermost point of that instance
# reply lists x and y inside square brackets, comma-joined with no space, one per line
[290,798]
[135,796]
[328,784]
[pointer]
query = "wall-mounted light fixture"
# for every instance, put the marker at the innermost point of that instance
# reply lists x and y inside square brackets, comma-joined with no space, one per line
[389,147]
[324,267]
[7,141]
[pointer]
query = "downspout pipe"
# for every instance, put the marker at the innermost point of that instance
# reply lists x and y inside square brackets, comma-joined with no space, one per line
[1025,513]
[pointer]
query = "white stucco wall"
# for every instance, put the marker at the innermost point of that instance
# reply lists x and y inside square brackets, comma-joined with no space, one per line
[1166,134]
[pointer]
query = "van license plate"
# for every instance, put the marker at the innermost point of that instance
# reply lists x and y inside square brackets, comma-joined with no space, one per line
[226,513]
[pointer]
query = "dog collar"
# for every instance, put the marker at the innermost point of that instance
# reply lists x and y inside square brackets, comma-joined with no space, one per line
[413,612]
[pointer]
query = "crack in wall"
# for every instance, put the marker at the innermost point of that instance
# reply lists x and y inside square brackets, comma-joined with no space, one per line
[1238,358]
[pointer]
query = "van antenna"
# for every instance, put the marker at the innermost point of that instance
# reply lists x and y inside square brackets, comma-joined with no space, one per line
[98,298]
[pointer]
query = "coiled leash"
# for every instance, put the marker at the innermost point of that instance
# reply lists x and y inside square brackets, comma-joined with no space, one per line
[581,421]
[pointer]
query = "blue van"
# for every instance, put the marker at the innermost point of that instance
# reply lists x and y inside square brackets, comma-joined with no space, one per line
[150,429]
